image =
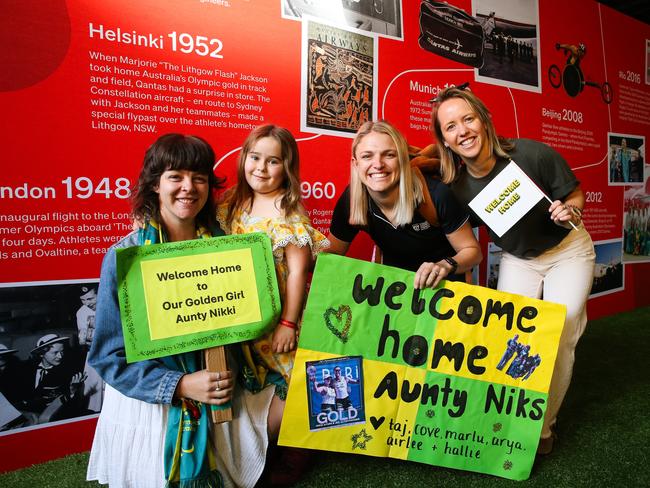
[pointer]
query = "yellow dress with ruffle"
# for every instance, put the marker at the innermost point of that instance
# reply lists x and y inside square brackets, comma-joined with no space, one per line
[296,230]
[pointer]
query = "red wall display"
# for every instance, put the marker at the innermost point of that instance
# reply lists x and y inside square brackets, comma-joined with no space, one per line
[85,87]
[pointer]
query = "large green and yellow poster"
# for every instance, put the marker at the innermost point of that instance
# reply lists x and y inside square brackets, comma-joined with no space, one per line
[457,376]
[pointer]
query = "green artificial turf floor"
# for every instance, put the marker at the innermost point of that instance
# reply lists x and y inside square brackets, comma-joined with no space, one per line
[603,428]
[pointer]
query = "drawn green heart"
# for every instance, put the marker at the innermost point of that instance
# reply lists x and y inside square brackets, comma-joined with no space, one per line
[341,328]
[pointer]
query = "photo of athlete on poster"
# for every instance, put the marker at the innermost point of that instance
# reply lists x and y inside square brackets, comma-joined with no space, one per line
[626,159]
[636,222]
[335,395]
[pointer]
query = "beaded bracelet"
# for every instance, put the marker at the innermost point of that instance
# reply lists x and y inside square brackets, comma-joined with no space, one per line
[288,323]
[575,211]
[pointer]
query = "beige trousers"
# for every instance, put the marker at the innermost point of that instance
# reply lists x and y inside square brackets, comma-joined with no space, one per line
[563,274]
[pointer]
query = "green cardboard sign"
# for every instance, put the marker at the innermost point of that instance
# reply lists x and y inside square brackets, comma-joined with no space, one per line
[457,376]
[190,295]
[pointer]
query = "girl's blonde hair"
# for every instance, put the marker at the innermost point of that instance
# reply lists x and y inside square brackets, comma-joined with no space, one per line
[449,161]
[410,189]
[242,192]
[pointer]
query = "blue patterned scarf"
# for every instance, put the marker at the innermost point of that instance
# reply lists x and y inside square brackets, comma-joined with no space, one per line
[189,453]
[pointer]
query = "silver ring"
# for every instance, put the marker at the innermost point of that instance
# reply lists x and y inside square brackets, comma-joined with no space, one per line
[217,388]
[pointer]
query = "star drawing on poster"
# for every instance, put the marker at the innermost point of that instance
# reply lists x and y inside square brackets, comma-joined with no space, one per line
[360,440]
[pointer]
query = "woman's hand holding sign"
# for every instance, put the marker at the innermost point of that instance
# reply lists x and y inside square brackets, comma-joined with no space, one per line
[206,386]
[568,211]
[429,275]
[563,214]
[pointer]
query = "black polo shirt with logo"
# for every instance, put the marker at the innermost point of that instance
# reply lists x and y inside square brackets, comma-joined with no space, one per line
[407,246]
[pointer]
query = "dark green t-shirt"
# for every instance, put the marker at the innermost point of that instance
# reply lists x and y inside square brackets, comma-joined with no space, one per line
[535,232]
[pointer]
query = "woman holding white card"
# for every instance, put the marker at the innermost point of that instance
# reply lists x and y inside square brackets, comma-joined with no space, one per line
[546,254]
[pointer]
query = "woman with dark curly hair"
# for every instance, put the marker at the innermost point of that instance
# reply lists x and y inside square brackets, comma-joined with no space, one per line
[150,404]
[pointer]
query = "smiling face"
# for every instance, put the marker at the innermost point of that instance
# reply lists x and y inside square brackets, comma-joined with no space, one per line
[181,195]
[264,166]
[377,164]
[90,301]
[463,131]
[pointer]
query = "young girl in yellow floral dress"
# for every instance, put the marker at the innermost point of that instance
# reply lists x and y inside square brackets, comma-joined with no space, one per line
[266,199]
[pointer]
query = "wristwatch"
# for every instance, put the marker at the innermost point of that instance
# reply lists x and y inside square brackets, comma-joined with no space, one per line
[452,262]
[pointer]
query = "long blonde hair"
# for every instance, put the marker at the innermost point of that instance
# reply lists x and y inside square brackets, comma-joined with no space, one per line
[449,161]
[410,189]
[242,192]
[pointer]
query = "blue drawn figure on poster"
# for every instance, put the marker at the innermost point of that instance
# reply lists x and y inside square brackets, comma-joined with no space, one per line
[523,365]
[509,352]
[531,364]
[335,392]
[516,367]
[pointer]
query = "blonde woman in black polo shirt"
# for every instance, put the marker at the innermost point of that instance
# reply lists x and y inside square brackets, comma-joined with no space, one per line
[382,200]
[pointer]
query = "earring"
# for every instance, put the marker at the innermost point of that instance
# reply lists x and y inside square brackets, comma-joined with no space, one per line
[445,144]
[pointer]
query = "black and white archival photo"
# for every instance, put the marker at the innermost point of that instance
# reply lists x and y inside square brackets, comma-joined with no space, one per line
[46,331]
[382,17]
[511,43]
